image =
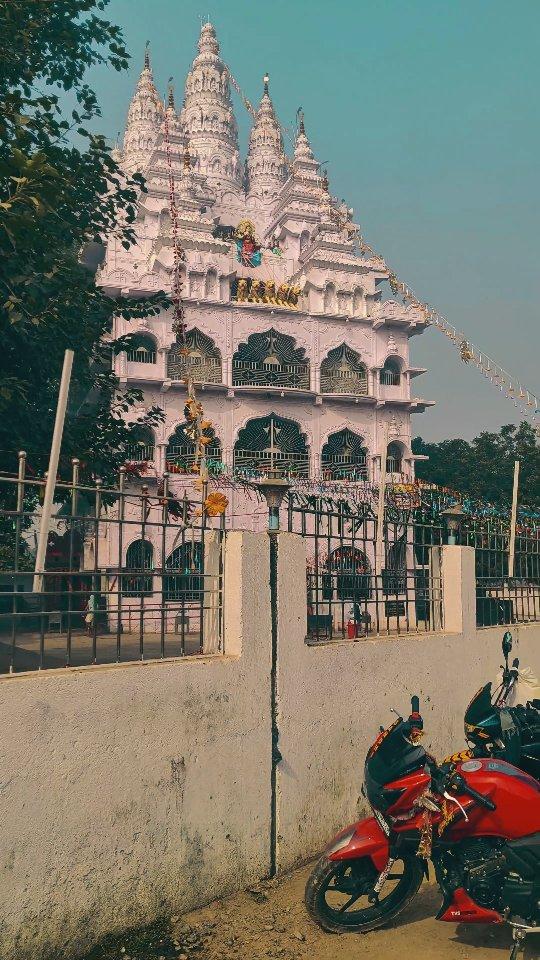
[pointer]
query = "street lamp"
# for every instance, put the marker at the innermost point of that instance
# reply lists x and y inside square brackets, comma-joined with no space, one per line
[453,518]
[274,489]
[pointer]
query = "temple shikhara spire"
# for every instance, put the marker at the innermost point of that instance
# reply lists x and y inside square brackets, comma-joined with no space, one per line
[207,115]
[143,121]
[266,161]
[292,338]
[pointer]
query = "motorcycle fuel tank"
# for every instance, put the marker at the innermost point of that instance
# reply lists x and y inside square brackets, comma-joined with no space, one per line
[515,793]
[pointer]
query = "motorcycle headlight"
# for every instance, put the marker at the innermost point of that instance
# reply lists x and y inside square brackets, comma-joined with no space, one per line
[341,843]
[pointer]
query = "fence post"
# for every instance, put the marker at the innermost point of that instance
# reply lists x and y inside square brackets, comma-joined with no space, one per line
[458,589]
[211,640]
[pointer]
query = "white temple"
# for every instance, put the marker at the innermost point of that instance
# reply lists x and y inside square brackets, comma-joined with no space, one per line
[299,361]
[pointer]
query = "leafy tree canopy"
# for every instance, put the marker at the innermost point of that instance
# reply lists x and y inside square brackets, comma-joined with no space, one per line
[60,190]
[484,468]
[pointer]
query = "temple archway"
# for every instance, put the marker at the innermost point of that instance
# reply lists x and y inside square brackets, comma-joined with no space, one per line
[270,359]
[344,456]
[390,375]
[184,579]
[394,457]
[351,573]
[272,443]
[142,349]
[142,444]
[180,455]
[202,362]
[342,371]
[138,580]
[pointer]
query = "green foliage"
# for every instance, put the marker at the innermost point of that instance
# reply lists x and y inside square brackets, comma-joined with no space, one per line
[60,190]
[484,468]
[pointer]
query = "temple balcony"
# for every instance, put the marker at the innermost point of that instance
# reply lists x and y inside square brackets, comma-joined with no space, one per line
[270,373]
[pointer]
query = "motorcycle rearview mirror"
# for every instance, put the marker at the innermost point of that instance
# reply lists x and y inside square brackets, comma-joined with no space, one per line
[507,645]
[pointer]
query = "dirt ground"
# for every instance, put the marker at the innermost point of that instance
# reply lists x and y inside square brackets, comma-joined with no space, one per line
[270,922]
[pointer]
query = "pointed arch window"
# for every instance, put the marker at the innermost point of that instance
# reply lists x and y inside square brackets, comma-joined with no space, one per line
[202,360]
[270,359]
[344,457]
[390,375]
[142,349]
[342,371]
[181,454]
[394,458]
[271,443]
[142,445]
[138,579]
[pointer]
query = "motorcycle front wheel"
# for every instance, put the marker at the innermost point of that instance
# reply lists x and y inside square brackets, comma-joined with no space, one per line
[337,891]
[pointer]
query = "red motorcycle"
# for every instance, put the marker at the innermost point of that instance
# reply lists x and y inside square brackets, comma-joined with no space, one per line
[478,821]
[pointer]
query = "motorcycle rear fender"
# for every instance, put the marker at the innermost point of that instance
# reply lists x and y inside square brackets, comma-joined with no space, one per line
[368,840]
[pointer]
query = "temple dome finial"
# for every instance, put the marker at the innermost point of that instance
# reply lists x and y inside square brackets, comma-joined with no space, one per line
[147,56]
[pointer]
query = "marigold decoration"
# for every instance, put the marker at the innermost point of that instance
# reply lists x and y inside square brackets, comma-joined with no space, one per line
[215,504]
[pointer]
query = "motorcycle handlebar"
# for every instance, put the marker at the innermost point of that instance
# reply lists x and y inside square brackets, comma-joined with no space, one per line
[461,784]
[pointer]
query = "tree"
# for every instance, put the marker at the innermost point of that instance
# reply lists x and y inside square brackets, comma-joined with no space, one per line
[60,191]
[484,468]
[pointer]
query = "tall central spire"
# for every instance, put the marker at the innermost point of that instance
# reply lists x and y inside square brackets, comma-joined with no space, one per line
[266,164]
[207,115]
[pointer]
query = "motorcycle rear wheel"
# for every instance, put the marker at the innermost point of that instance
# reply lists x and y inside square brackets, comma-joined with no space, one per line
[352,880]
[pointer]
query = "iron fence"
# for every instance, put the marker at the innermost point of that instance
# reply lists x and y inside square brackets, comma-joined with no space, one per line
[357,586]
[504,596]
[129,575]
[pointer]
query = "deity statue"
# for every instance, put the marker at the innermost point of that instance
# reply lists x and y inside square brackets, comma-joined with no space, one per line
[248,248]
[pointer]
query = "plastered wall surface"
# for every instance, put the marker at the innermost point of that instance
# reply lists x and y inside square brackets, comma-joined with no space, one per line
[131,791]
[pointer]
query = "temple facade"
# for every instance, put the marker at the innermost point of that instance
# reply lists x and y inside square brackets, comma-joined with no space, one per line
[300,362]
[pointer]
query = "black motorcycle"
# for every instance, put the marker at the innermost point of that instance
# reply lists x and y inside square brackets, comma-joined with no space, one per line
[493,729]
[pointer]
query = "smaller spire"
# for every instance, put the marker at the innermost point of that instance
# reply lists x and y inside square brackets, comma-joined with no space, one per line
[302,147]
[147,56]
[266,81]
[170,93]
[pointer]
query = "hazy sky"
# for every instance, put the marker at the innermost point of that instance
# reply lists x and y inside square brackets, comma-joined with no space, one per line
[427,113]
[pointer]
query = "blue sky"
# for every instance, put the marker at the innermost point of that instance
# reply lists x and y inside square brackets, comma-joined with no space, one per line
[427,113]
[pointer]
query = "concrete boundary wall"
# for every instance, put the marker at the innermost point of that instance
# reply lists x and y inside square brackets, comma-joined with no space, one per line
[131,791]
[334,696]
[127,792]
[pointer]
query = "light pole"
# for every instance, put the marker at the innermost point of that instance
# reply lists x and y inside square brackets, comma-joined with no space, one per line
[274,489]
[453,518]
